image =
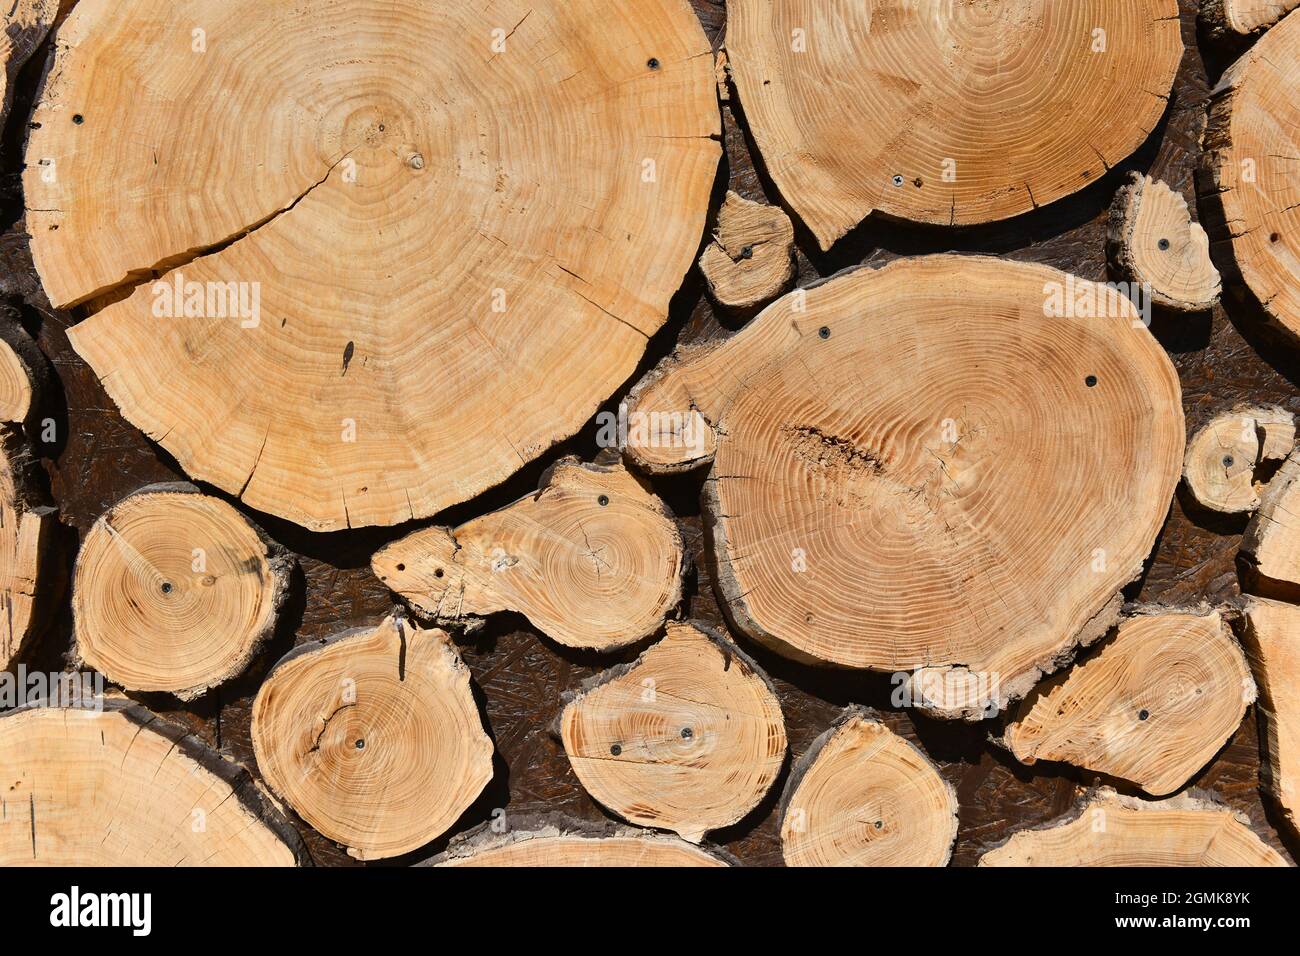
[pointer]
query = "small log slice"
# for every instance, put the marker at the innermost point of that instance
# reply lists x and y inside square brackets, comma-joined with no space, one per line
[560,842]
[1153,707]
[1251,195]
[751,257]
[593,559]
[373,737]
[175,591]
[935,466]
[864,796]
[688,738]
[1225,454]
[24,374]
[1108,829]
[1269,557]
[1153,243]
[1232,20]
[30,581]
[442,210]
[1271,633]
[120,787]
[948,113]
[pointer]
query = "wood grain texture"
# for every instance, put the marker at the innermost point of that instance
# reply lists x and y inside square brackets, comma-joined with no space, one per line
[946,113]
[391,254]
[99,457]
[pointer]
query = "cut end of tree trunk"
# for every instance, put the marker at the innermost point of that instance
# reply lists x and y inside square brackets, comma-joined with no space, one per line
[751,257]
[1153,707]
[1235,19]
[24,373]
[593,559]
[1247,175]
[1224,456]
[945,435]
[559,842]
[864,796]
[28,575]
[1153,243]
[373,737]
[428,239]
[1271,633]
[687,738]
[175,591]
[1270,548]
[893,107]
[1108,829]
[120,787]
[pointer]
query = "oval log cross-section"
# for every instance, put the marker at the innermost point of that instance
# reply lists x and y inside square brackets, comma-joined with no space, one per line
[864,796]
[1247,173]
[1227,451]
[1108,829]
[30,581]
[687,738]
[593,559]
[1153,707]
[373,737]
[120,787]
[942,112]
[175,591]
[443,210]
[949,465]
[565,843]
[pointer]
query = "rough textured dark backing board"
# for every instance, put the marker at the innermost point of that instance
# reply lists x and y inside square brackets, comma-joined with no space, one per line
[98,458]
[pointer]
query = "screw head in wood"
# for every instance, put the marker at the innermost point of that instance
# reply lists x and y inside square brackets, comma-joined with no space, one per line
[824,332]
[603,500]
[615,750]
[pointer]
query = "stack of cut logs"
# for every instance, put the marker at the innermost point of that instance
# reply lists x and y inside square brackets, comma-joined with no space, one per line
[347,287]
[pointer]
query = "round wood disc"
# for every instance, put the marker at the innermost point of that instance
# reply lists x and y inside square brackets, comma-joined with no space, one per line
[407,216]
[950,113]
[928,467]
[565,843]
[373,737]
[122,788]
[864,796]
[593,559]
[1248,176]
[1108,829]
[1153,707]
[688,738]
[1225,453]
[175,591]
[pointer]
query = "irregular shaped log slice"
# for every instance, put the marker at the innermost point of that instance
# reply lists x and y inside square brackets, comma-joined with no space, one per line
[436,230]
[593,559]
[688,738]
[24,373]
[1269,556]
[864,796]
[751,257]
[23,28]
[1272,638]
[1251,195]
[1231,19]
[565,843]
[122,787]
[1152,242]
[373,737]
[916,468]
[175,591]
[29,580]
[1107,829]
[1153,707]
[905,108]
[1226,452]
